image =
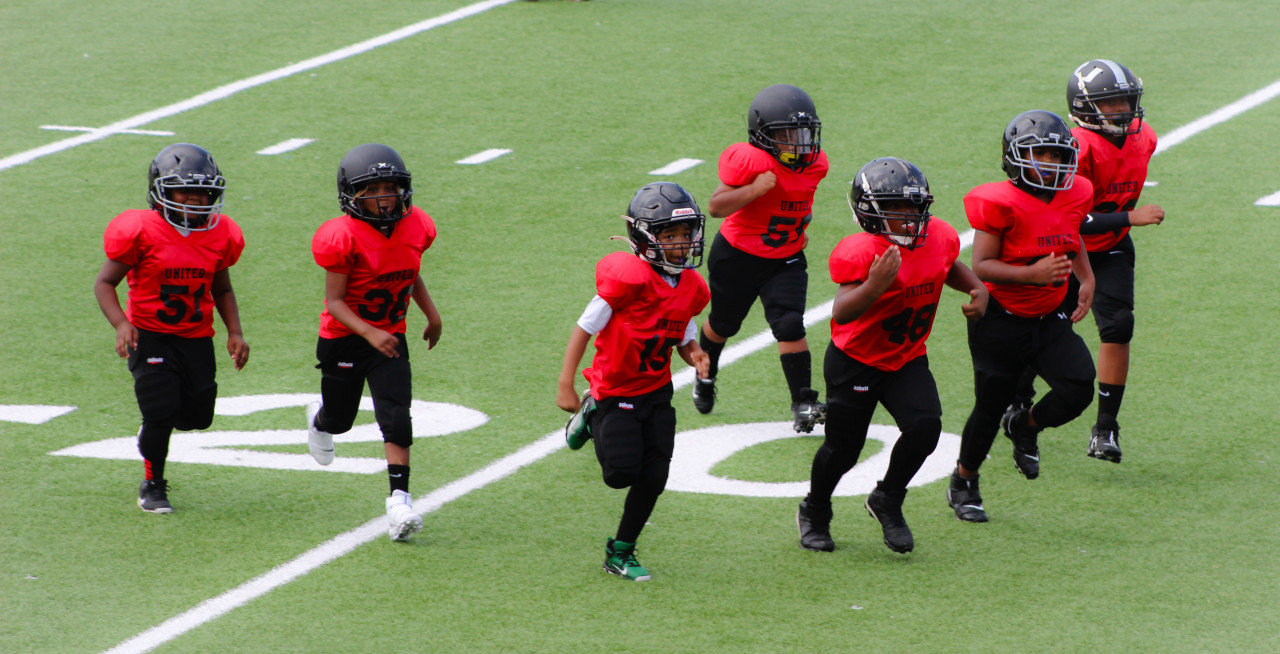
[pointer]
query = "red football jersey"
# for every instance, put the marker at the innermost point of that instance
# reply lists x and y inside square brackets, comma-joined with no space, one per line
[772,226]
[893,330]
[1029,230]
[1117,175]
[633,351]
[380,269]
[171,276]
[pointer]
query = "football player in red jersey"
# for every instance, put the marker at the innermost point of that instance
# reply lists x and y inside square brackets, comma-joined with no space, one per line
[1116,145]
[765,195]
[372,257]
[1027,242]
[891,280]
[176,257]
[644,305]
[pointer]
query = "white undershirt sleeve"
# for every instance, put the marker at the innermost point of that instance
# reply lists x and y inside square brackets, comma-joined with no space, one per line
[690,332]
[595,316]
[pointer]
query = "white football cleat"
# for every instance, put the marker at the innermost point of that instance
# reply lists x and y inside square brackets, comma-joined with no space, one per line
[319,442]
[403,522]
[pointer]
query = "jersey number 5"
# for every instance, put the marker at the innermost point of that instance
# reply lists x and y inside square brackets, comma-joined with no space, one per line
[778,235]
[171,296]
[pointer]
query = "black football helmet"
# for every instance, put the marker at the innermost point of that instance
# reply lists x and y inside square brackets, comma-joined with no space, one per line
[1103,79]
[891,179]
[191,168]
[364,164]
[783,122]
[1037,131]
[656,207]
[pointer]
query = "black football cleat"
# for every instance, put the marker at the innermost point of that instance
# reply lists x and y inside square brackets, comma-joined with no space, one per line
[153,496]
[704,395]
[1104,443]
[888,511]
[963,496]
[808,412]
[1026,452]
[814,524]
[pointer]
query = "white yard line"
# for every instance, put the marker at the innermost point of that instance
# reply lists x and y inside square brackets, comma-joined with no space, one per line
[506,466]
[285,146]
[225,91]
[677,166]
[481,157]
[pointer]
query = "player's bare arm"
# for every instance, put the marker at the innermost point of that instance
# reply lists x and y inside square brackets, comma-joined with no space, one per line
[431,333]
[854,298]
[1147,214]
[727,199]
[335,294]
[695,356]
[224,298]
[104,289]
[1052,269]
[1083,271]
[962,279]
[566,396]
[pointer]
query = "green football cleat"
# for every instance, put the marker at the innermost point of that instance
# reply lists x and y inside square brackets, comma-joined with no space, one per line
[577,432]
[620,559]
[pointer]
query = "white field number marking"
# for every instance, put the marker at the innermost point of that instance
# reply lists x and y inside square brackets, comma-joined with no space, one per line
[221,447]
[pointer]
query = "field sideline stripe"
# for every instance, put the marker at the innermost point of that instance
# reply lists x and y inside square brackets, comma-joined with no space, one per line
[330,550]
[228,90]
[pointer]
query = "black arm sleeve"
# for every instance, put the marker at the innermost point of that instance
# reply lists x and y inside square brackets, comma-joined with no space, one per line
[1098,223]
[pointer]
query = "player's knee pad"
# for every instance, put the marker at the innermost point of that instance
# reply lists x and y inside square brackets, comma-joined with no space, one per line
[621,477]
[788,327]
[924,433]
[396,425]
[1118,328]
[723,329]
[197,409]
[1067,401]
[652,480]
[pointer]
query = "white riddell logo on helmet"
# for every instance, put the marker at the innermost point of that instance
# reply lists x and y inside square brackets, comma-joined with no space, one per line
[683,211]
[1092,74]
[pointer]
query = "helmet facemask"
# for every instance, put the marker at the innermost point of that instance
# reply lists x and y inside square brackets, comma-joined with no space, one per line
[353,197]
[1040,174]
[192,217]
[672,256]
[397,210]
[794,143]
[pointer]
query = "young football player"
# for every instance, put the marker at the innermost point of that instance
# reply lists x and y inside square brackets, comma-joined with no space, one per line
[372,257]
[765,195]
[1116,144]
[1027,243]
[644,305]
[891,280]
[176,257]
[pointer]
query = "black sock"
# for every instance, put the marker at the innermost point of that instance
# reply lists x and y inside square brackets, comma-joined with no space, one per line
[713,350]
[1109,398]
[398,476]
[797,369]
[635,512]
